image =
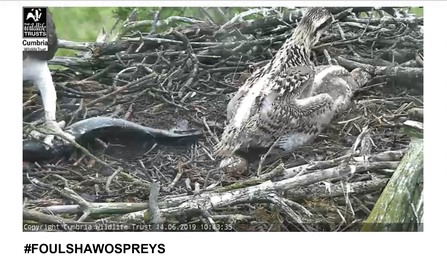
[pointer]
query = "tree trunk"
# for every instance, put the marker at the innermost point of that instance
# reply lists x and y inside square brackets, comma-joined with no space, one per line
[400,207]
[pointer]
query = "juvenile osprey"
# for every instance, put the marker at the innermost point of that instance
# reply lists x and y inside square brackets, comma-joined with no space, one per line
[35,69]
[288,99]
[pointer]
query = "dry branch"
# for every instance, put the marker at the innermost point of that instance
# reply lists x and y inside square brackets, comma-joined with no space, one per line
[400,207]
[161,74]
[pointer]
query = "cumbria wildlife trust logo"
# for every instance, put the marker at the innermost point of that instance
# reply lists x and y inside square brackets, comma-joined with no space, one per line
[35,30]
[36,15]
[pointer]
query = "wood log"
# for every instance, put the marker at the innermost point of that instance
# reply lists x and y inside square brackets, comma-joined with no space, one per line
[416,114]
[400,207]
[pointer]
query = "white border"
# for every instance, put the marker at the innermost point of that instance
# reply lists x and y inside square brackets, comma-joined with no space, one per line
[235,246]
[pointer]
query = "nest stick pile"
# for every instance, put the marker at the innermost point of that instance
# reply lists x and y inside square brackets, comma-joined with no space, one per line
[183,78]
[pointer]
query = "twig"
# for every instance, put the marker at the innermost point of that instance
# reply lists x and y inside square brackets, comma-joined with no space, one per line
[156,16]
[261,162]
[120,89]
[109,180]
[155,217]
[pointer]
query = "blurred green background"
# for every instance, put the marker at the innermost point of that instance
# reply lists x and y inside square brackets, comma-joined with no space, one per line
[82,24]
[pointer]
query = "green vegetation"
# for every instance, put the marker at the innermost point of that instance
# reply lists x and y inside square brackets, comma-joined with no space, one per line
[80,23]
[418,11]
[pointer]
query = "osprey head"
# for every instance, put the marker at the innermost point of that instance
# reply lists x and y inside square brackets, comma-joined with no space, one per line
[361,76]
[312,25]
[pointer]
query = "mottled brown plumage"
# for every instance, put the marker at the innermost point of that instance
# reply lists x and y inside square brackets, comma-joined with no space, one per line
[265,99]
[288,101]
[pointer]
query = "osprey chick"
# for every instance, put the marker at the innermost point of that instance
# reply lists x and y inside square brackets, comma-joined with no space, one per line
[288,101]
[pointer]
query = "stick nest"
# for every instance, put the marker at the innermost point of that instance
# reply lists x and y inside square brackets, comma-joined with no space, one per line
[183,78]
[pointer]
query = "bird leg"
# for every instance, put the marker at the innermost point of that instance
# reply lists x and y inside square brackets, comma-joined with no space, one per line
[38,72]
